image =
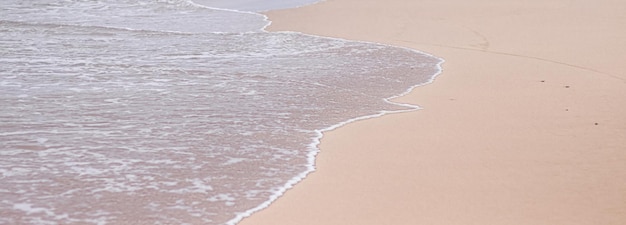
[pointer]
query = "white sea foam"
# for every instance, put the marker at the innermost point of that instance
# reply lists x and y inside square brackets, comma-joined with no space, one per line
[314,149]
[255,5]
[196,122]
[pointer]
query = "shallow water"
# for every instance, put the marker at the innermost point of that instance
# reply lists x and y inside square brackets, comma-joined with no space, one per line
[171,112]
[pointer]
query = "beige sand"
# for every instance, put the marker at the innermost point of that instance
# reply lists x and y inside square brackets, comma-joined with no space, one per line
[526,125]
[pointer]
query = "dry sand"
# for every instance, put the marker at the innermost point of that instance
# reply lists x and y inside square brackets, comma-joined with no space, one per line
[526,125]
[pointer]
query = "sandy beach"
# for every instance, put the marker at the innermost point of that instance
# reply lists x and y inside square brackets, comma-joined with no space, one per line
[526,124]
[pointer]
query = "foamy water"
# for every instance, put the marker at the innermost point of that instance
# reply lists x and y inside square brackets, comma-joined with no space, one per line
[172,112]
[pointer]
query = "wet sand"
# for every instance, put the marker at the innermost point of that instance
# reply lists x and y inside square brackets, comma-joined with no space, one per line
[526,124]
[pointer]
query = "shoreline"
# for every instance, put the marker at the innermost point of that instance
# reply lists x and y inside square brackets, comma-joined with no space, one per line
[313,146]
[534,138]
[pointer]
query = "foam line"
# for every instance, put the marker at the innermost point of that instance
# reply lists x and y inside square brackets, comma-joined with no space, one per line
[313,146]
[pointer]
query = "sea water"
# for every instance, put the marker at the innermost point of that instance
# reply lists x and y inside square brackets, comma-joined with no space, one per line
[173,111]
